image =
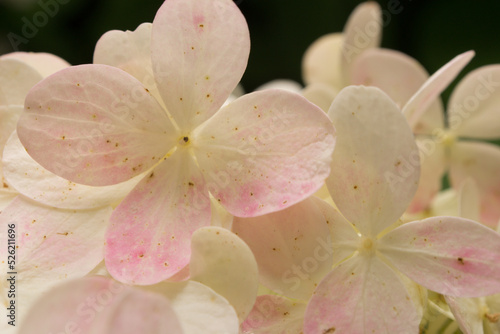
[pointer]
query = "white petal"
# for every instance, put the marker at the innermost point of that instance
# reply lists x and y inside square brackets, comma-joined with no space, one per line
[198,308]
[223,262]
[375,165]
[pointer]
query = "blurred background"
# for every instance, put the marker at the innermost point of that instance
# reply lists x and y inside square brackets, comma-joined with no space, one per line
[433,32]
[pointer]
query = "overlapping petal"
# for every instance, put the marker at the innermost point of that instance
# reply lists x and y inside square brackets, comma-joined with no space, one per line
[195,69]
[467,314]
[223,262]
[198,308]
[375,165]
[363,295]
[16,79]
[53,245]
[44,63]
[362,31]
[469,201]
[131,52]
[249,160]
[95,125]
[320,94]
[475,103]
[480,162]
[396,73]
[449,255]
[98,305]
[293,247]
[275,314]
[428,93]
[150,232]
[33,181]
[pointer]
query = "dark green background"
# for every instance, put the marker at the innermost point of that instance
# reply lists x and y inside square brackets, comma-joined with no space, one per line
[431,31]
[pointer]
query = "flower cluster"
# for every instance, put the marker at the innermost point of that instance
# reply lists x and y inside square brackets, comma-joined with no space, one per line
[146,193]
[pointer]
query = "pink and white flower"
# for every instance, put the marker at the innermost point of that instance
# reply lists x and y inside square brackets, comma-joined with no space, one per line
[98,125]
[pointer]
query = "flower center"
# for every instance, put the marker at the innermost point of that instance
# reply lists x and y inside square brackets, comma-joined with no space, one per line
[184,141]
[367,245]
[446,137]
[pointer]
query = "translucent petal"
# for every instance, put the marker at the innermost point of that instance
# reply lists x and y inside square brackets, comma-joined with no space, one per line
[250,162]
[375,165]
[363,295]
[474,104]
[321,61]
[480,162]
[33,181]
[223,262]
[371,68]
[53,245]
[467,312]
[432,168]
[131,52]
[98,305]
[275,314]
[449,255]
[95,125]
[293,247]
[150,234]
[199,52]
[198,308]
[9,115]
[362,31]
[433,87]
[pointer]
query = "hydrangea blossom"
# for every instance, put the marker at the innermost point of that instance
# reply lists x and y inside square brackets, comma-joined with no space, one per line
[376,259]
[354,57]
[472,114]
[203,303]
[98,125]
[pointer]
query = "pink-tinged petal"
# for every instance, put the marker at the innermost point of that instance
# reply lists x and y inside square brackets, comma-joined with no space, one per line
[474,104]
[95,125]
[321,61]
[469,200]
[32,180]
[199,51]
[467,312]
[131,52]
[275,314]
[16,79]
[44,63]
[406,74]
[364,295]
[362,31]
[249,160]
[150,234]
[293,247]
[52,245]
[98,305]
[375,165]
[432,168]
[320,94]
[223,262]
[480,162]
[429,92]
[449,255]
[198,308]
